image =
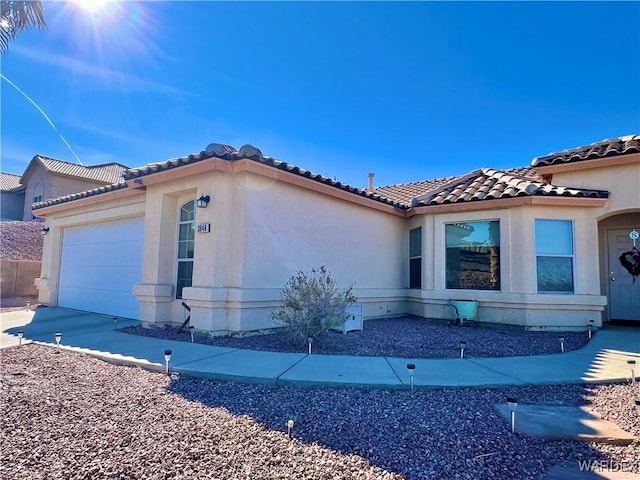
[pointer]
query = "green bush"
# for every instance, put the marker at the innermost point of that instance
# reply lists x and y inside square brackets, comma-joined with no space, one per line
[312,303]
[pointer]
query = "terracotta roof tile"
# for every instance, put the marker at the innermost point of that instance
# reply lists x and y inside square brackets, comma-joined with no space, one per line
[606,148]
[9,181]
[226,152]
[479,185]
[491,184]
[105,173]
[403,193]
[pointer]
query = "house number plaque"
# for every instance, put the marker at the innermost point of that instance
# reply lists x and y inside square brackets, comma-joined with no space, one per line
[204,227]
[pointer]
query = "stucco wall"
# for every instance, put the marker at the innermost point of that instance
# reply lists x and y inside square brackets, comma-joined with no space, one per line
[11,205]
[53,186]
[517,302]
[620,180]
[262,232]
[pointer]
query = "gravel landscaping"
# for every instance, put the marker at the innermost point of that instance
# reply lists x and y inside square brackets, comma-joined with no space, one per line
[21,240]
[76,417]
[405,337]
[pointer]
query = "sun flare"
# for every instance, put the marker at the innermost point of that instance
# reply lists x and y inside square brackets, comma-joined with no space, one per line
[93,6]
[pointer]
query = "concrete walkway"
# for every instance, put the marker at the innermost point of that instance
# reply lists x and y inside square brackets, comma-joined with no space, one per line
[604,359]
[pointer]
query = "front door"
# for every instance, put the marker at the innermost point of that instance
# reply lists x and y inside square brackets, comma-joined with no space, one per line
[624,294]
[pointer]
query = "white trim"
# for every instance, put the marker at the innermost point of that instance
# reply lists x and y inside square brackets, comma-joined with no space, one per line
[572,256]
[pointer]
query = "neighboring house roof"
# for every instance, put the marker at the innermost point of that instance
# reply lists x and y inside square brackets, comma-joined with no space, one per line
[606,148]
[106,173]
[481,184]
[9,181]
[75,196]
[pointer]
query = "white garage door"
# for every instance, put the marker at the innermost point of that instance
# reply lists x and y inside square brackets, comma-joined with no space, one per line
[100,265]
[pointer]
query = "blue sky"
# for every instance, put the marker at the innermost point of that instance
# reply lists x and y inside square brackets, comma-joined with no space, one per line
[408,90]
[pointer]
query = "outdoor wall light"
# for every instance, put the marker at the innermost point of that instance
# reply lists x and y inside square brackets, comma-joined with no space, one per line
[632,365]
[58,337]
[203,201]
[561,343]
[463,345]
[20,336]
[290,428]
[44,231]
[411,368]
[167,359]
[512,403]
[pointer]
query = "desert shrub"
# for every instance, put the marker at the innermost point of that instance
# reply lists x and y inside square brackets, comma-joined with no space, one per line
[312,303]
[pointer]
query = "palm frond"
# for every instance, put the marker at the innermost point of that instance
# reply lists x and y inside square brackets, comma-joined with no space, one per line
[17,16]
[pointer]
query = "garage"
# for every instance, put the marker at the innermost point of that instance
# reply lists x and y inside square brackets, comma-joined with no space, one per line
[100,264]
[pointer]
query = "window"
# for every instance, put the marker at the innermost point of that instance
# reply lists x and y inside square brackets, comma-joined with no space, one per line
[186,238]
[38,192]
[415,258]
[473,255]
[554,256]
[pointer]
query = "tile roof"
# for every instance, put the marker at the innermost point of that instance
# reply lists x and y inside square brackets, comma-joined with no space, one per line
[403,193]
[226,152]
[491,184]
[606,148]
[75,196]
[481,184]
[9,181]
[104,173]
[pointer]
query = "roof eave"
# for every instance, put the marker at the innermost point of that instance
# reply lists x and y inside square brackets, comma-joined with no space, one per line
[603,162]
[501,203]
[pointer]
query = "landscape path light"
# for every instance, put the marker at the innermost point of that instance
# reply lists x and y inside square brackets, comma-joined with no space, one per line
[20,335]
[115,323]
[590,328]
[512,403]
[191,329]
[58,337]
[28,305]
[411,367]
[310,342]
[290,428]
[463,345]
[632,365]
[167,359]
[561,338]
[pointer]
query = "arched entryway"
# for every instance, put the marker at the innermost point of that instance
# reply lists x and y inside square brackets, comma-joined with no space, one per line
[617,283]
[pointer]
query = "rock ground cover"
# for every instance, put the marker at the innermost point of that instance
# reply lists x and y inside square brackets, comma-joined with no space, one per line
[405,337]
[21,240]
[71,416]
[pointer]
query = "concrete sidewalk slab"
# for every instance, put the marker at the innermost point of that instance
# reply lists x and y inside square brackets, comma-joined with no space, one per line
[604,359]
[448,373]
[626,339]
[565,422]
[248,366]
[540,369]
[341,370]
